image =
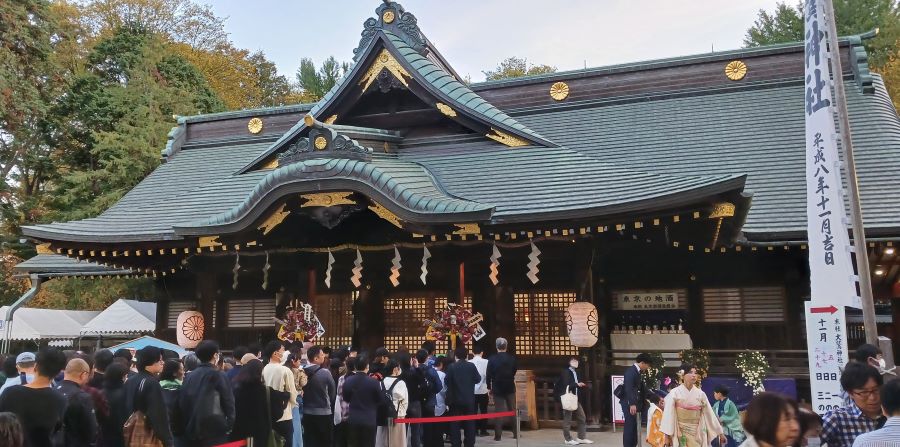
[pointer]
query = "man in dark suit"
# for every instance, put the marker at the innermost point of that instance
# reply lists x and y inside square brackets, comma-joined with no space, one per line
[633,402]
[462,376]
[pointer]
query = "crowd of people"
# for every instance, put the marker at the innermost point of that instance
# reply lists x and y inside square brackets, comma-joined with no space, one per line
[869,416]
[277,394]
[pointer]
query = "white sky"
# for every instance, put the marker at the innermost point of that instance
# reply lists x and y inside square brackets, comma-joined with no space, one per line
[475,35]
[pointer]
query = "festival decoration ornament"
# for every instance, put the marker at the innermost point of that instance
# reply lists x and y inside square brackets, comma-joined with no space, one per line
[583,324]
[495,262]
[533,262]
[190,327]
[455,323]
[395,268]
[265,270]
[357,270]
[235,270]
[328,269]
[300,324]
[425,256]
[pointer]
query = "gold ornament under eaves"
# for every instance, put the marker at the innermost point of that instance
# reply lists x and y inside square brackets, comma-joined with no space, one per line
[385,214]
[384,61]
[255,125]
[559,91]
[388,16]
[724,209]
[274,219]
[505,138]
[445,109]
[736,70]
[327,199]
[320,142]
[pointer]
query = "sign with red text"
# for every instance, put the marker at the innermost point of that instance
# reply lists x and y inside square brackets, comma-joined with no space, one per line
[826,339]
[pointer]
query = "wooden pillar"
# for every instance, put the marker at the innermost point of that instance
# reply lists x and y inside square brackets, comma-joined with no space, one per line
[311,288]
[462,283]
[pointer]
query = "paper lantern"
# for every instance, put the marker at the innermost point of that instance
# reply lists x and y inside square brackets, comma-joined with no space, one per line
[189,329]
[583,324]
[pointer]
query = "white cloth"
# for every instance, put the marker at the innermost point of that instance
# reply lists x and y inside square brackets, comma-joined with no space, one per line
[709,427]
[440,406]
[397,432]
[281,378]
[16,380]
[481,365]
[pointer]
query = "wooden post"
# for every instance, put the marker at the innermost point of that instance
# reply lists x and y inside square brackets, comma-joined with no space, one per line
[311,289]
[462,283]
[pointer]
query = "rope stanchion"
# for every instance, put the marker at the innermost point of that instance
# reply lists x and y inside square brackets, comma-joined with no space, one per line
[468,417]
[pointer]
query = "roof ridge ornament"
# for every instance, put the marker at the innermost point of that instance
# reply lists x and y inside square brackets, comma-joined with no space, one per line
[390,16]
[323,142]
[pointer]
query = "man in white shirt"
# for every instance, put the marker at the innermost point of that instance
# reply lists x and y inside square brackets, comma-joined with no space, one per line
[481,389]
[280,378]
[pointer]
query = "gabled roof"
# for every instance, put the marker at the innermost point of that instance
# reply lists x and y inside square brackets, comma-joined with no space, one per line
[123,317]
[59,265]
[47,324]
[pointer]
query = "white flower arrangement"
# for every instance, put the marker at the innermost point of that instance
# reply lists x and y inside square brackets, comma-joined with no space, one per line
[753,367]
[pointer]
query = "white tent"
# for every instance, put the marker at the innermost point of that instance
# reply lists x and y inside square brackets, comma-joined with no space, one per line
[123,317]
[47,324]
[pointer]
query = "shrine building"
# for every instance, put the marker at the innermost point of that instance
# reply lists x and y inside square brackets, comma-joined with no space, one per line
[669,193]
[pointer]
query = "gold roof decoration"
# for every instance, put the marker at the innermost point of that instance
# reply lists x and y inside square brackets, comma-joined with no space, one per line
[388,16]
[559,91]
[255,125]
[467,228]
[331,119]
[736,70]
[274,220]
[384,61]
[385,214]
[327,199]
[320,142]
[205,241]
[724,209]
[505,138]
[271,164]
[445,109]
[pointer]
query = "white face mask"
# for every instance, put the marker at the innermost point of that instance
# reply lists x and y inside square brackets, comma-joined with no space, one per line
[573,364]
[882,363]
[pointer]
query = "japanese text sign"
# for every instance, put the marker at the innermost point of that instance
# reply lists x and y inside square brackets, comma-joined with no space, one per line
[826,338]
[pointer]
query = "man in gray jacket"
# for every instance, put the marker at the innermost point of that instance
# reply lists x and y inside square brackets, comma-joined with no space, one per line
[318,400]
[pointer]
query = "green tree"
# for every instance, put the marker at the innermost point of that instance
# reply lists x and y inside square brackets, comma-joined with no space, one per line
[514,67]
[315,83]
[785,24]
[274,89]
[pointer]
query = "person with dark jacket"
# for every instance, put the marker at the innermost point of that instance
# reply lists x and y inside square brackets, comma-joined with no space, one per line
[170,380]
[634,402]
[79,420]
[38,405]
[430,435]
[143,393]
[462,376]
[113,421]
[206,400]
[501,384]
[252,414]
[238,353]
[102,359]
[363,394]
[568,383]
[318,400]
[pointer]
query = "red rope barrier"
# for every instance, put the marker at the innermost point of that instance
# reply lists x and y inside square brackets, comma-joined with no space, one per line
[470,417]
[234,444]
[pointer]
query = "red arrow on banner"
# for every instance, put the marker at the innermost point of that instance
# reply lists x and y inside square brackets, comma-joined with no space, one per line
[823,310]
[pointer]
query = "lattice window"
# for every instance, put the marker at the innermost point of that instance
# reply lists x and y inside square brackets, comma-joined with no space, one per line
[336,314]
[177,307]
[744,305]
[541,323]
[251,313]
[403,316]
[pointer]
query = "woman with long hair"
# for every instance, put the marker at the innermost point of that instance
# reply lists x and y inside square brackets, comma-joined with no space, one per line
[771,421]
[114,393]
[393,434]
[252,412]
[11,430]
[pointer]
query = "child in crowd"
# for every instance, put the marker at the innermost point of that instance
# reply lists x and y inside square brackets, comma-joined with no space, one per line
[729,417]
[655,437]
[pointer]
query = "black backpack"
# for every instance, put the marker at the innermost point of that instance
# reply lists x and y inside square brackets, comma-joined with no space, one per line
[420,385]
[386,409]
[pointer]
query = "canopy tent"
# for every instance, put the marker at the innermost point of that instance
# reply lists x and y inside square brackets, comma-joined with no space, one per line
[147,340]
[123,317]
[47,324]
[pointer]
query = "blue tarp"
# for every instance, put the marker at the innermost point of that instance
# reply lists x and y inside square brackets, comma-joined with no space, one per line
[147,340]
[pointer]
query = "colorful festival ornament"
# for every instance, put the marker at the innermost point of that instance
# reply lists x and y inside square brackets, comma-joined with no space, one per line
[533,264]
[495,262]
[328,269]
[357,270]
[235,270]
[454,323]
[395,268]
[265,270]
[191,325]
[300,324]
[425,256]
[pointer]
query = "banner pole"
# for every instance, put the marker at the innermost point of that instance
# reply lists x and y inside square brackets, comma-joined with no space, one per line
[859,234]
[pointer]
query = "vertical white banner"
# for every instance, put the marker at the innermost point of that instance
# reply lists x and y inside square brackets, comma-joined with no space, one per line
[832,277]
[618,414]
[826,338]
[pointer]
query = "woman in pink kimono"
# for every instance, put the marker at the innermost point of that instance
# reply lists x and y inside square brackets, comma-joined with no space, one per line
[688,419]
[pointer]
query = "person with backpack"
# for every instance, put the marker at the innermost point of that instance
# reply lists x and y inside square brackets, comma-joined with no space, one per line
[252,407]
[462,376]
[206,402]
[395,402]
[79,420]
[363,395]
[417,390]
[144,400]
[318,400]
[433,386]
